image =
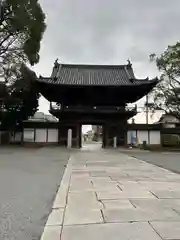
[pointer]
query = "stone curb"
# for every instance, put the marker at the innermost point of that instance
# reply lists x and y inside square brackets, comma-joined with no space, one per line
[53,227]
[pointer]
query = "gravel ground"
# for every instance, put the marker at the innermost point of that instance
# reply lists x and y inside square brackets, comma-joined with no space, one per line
[167,160]
[29,179]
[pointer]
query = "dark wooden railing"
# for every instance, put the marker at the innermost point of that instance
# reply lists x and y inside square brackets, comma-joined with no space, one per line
[93,109]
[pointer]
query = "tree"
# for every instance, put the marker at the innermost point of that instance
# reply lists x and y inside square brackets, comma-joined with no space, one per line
[21,29]
[22,100]
[22,24]
[166,95]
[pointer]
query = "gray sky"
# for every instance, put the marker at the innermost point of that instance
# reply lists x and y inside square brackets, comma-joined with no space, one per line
[107,32]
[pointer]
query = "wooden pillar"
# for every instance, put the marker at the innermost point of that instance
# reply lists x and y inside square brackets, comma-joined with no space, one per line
[46,135]
[111,133]
[125,136]
[80,136]
[63,134]
[149,137]
[103,142]
[105,135]
[122,133]
[116,130]
[35,135]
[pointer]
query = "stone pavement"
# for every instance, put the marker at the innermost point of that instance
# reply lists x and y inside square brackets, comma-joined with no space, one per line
[109,195]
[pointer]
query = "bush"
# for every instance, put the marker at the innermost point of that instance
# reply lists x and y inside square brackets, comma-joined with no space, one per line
[171,140]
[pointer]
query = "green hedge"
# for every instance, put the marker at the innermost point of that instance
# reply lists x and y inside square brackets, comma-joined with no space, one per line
[170,140]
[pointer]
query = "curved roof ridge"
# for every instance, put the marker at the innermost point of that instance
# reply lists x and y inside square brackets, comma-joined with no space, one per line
[95,65]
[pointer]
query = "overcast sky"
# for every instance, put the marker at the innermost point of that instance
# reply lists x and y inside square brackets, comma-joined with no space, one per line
[107,32]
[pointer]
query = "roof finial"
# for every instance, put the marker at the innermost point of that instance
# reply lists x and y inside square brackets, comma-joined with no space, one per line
[56,62]
[129,62]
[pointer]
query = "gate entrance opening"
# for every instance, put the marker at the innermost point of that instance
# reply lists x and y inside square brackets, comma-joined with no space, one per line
[91,134]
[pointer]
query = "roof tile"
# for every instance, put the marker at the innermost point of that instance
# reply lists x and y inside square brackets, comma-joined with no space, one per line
[96,75]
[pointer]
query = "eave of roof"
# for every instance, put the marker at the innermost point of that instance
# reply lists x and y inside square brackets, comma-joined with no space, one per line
[133,82]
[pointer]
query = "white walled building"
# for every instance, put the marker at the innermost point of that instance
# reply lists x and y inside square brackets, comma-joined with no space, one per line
[42,117]
[169,121]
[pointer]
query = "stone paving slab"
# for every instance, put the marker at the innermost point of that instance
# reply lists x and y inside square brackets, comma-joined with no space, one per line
[167,230]
[124,231]
[83,203]
[164,185]
[80,184]
[173,204]
[140,215]
[105,179]
[78,215]
[108,195]
[60,200]
[82,199]
[152,203]
[172,194]
[104,185]
[117,204]
[55,217]
[51,233]
[128,194]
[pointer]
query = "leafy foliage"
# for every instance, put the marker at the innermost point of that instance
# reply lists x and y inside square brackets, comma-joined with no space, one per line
[22,25]
[166,95]
[21,101]
[21,29]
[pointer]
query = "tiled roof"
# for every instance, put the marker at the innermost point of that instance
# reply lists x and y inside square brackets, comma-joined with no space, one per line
[97,75]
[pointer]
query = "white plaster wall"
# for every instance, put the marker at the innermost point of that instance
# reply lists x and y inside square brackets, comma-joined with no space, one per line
[52,135]
[155,137]
[41,135]
[28,135]
[129,136]
[18,136]
[142,136]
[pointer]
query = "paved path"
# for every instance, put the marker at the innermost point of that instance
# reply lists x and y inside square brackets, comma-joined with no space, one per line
[109,195]
[29,180]
[167,160]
